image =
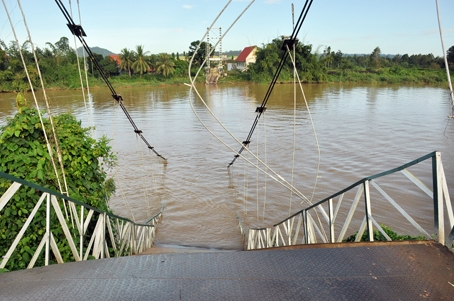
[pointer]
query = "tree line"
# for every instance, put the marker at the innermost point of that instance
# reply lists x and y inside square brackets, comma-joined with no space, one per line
[328,66]
[58,65]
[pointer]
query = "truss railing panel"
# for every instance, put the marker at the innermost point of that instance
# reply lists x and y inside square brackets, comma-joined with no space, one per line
[84,233]
[371,207]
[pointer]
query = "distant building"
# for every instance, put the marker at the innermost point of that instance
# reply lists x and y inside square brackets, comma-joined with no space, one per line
[246,57]
[116,58]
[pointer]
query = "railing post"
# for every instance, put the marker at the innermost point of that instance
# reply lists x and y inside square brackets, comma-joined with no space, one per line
[48,231]
[370,229]
[103,240]
[331,224]
[306,232]
[438,199]
[81,236]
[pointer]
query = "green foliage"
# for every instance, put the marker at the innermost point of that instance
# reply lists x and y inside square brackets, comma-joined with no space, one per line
[200,53]
[140,64]
[378,236]
[165,64]
[310,68]
[24,154]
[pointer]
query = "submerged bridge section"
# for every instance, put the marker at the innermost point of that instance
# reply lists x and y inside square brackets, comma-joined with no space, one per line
[353,271]
[302,257]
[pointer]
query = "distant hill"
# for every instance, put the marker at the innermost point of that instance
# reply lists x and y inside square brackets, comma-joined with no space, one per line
[98,50]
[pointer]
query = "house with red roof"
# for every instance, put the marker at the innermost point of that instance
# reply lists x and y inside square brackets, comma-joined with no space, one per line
[246,57]
[115,58]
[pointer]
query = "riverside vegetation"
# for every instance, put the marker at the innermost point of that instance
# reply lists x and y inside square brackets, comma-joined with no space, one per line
[24,154]
[58,65]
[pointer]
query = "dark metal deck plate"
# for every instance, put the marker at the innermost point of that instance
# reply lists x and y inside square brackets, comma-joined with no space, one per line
[365,272]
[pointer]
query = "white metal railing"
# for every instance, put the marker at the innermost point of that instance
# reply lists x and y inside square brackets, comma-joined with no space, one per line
[329,220]
[88,232]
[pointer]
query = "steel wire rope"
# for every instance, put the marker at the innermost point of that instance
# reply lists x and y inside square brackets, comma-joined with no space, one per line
[294,131]
[265,179]
[79,70]
[49,148]
[144,186]
[121,193]
[257,177]
[86,71]
[282,181]
[51,119]
[291,40]
[293,59]
[79,32]
[313,129]
[445,58]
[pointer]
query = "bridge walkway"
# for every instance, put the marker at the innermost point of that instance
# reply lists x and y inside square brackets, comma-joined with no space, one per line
[355,271]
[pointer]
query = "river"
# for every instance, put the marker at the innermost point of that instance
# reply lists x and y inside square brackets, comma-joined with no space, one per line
[361,130]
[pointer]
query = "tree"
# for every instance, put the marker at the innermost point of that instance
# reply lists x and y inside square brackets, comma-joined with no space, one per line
[450,55]
[140,65]
[109,65]
[374,58]
[24,154]
[127,59]
[165,64]
[200,54]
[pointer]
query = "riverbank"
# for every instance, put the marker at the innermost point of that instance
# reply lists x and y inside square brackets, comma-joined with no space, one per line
[393,75]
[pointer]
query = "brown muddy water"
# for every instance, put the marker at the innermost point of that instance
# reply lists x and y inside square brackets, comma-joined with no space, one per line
[361,131]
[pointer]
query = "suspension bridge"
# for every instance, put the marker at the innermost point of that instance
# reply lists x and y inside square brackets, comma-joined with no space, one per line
[87,253]
[292,260]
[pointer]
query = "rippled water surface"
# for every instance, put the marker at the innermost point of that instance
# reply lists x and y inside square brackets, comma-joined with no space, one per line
[361,130]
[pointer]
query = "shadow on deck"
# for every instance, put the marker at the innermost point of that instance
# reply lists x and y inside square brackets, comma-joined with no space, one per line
[356,271]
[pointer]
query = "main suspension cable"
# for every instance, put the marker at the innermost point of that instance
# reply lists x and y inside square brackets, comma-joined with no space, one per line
[80,34]
[278,178]
[287,42]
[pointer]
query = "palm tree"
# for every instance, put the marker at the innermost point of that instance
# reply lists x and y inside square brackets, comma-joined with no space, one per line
[140,65]
[165,64]
[127,59]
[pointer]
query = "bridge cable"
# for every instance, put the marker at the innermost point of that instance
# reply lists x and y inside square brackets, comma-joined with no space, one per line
[293,60]
[49,148]
[287,42]
[78,31]
[89,120]
[278,178]
[445,59]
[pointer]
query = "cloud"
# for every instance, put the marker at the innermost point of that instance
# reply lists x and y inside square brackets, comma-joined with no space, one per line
[188,6]
[272,1]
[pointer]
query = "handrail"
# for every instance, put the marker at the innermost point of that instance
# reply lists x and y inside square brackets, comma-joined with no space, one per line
[302,225]
[108,234]
[382,174]
[67,198]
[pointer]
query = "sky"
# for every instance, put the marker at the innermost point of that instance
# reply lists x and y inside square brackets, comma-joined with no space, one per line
[351,26]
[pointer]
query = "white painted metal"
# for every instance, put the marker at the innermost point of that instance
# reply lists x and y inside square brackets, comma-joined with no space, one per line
[289,235]
[370,229]
[359,193]
[8,194]
[418,182]
[22,231]
[438,201]
[331,221]
[47,235]
[134,238]
[65,228]
[379,228]
[401,210]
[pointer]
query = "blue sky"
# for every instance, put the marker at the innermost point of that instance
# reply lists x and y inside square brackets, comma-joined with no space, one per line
[352,26]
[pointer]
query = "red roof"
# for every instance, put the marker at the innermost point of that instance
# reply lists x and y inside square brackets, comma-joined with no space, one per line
[244,54]
[116,58]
